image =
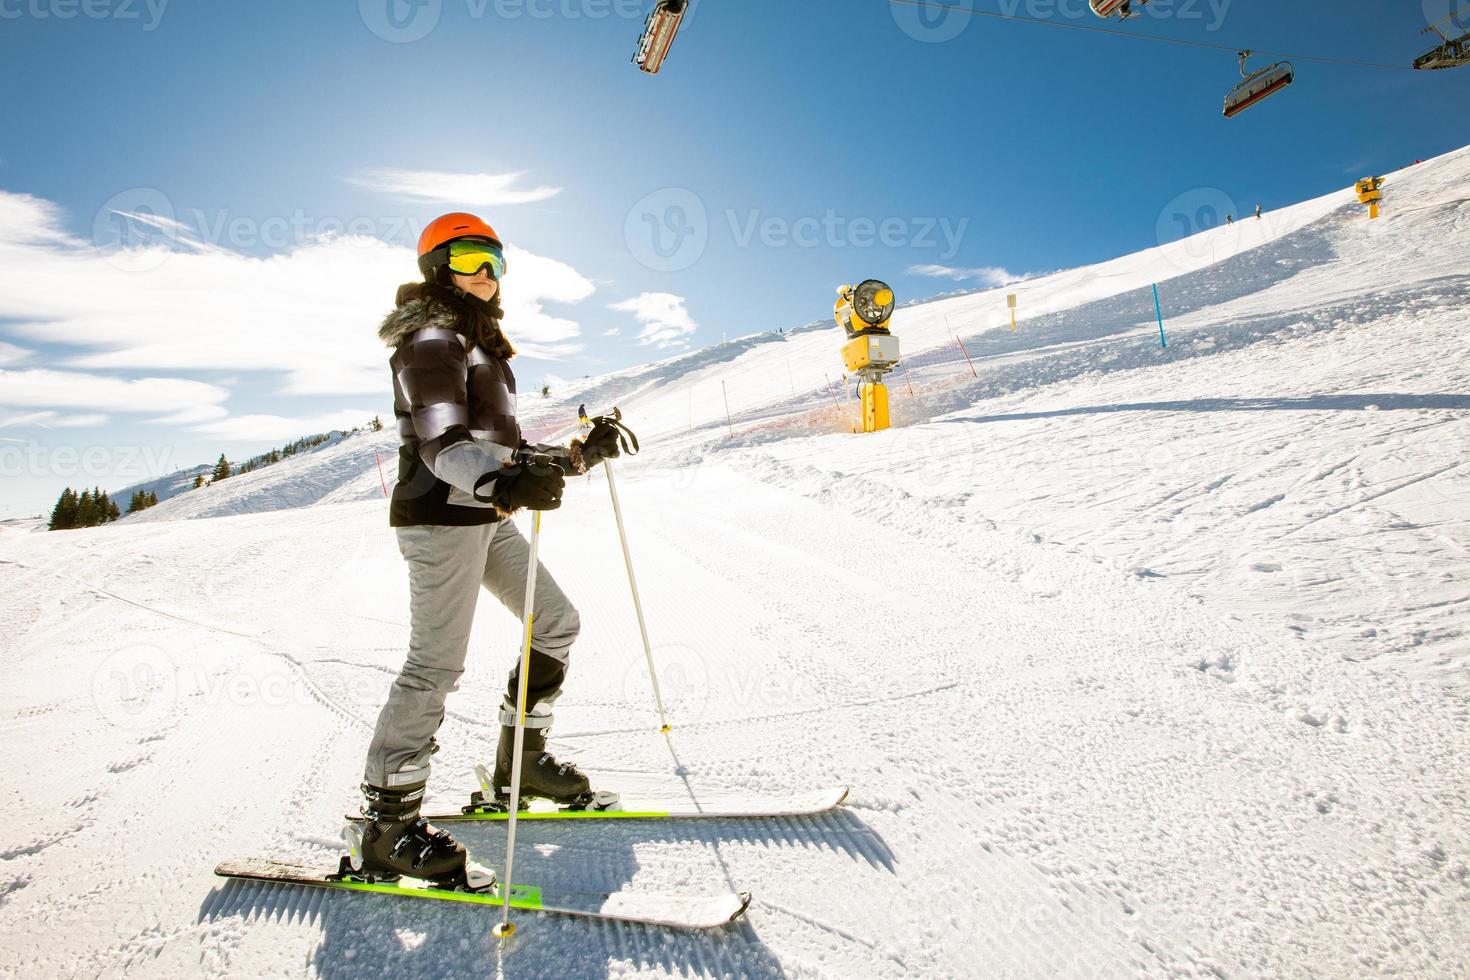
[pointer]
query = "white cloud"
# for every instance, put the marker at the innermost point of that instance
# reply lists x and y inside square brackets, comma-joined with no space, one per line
[531,281]
[985,275]
[80,421]
[193,415]
[28,219]
[461,190]
[308,315]
[39,388]
[8,421]
[50,420]
[612,332]
[10,354]
[666,323]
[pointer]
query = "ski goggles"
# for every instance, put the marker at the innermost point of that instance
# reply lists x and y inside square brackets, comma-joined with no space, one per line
[467,258]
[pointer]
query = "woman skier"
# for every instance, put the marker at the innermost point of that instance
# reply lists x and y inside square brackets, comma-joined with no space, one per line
[459,480]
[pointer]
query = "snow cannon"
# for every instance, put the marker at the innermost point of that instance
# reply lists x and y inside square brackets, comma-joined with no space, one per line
[1370,193]
[863,312]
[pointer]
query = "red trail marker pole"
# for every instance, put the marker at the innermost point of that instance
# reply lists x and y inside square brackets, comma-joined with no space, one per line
[381,479]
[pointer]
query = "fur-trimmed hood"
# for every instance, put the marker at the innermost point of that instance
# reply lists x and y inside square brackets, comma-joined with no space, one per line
[421,304]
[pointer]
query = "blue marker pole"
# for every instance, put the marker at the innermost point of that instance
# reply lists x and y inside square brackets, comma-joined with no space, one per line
[1160,314]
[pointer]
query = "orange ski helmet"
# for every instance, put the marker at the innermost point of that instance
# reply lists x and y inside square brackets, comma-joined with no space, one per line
[445,229]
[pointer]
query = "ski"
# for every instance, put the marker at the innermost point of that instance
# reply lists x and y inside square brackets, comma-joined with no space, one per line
[728,806]
[676,911]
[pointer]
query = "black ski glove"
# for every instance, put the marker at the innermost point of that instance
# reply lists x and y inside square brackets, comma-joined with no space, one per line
[533,486]
[601,443]
[609,439]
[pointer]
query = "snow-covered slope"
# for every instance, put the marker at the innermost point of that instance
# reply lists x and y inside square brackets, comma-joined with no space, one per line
[344,469]
[1139,661]
[166,487]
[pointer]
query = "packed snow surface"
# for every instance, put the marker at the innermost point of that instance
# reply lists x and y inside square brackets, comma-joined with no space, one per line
[1139,660]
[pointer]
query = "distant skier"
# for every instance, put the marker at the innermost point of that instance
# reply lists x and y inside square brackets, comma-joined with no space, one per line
[1230,219]
[583,422]
[1258,212]
[454,399]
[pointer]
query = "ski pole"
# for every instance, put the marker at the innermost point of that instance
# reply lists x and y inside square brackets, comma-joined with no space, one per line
[658,699]
[506,928]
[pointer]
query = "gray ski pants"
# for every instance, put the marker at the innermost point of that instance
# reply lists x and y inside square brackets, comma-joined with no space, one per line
[447,566]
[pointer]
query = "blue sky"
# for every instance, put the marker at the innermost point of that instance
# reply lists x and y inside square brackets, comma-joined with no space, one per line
[785,148]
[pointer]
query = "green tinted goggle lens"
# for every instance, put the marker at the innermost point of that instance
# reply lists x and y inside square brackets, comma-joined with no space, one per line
[468,258]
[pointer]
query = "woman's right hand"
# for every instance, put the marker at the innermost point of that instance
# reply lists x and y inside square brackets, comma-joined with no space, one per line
[533,486]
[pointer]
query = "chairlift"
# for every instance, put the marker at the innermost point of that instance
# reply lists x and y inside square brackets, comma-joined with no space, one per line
[1123,8]
[1453,53]
[1258,86]
[658,34]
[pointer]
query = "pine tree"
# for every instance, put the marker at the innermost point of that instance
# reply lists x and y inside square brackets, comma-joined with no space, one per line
[377,424]
[152,498]
[198,481]
[221,470]
[64,514]
[546,391]
[86,510]
[113,513]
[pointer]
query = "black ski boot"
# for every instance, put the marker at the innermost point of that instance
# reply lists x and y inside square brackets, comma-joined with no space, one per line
[395,840]
[542,777]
